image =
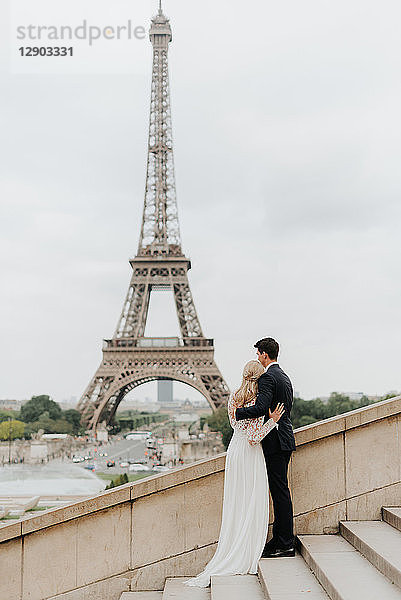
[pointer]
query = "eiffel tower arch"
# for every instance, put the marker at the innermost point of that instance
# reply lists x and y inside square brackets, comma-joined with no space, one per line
[129,358]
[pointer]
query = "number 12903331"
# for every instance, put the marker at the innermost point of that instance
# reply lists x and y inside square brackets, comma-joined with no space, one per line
[46,51]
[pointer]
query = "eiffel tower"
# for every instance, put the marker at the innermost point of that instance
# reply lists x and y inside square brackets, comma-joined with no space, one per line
[129,358]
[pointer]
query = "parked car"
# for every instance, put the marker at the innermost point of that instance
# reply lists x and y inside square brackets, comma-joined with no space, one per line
[160,468]
[111,463]
[78,459]
[89,467]
[137,435]
[139,467]
[124,464]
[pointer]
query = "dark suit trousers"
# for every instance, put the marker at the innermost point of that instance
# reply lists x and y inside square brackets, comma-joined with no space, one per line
[277,467]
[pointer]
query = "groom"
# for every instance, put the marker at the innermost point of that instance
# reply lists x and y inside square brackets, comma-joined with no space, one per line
[274,386]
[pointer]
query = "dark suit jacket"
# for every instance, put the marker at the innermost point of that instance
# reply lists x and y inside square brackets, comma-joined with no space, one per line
[274,387]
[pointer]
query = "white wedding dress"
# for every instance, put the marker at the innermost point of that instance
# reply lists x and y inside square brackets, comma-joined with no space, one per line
[245,516]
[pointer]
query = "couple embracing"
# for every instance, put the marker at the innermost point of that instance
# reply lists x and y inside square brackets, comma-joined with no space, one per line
[257,458]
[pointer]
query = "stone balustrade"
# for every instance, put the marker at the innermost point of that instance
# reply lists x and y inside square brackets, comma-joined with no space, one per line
[134,536]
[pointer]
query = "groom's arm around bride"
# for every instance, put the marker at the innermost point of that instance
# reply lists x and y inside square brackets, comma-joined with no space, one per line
[275,387]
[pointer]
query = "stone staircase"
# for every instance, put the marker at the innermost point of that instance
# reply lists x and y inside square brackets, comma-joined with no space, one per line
[363,561]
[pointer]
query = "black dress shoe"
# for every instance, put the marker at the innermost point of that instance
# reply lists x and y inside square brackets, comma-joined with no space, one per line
[270,546]
[279,553]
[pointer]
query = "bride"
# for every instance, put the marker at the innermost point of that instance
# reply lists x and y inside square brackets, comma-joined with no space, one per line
[245,516]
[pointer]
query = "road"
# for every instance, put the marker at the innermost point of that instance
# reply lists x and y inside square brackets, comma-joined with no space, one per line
[119,450]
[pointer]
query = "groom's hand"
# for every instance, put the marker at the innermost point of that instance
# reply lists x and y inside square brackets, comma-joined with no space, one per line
[277,413]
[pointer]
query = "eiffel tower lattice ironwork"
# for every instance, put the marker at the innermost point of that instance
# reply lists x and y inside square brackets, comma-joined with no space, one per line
[129,358]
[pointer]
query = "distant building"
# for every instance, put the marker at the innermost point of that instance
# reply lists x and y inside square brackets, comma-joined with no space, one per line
[68,403]
[200,402]
[164,391]
[355,395]
[11,404]
[186,417]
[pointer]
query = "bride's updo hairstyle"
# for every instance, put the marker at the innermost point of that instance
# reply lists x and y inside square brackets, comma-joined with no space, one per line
[249,386]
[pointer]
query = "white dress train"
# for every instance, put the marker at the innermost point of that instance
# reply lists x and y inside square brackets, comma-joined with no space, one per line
[245,515]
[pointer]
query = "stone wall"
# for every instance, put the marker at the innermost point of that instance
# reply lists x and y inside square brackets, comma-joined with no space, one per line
[135,536]
[347,467]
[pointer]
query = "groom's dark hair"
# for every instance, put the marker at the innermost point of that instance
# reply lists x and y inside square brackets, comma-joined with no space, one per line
[268,345]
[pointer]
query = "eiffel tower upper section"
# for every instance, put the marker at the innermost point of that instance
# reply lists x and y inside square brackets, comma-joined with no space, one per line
[160,262]
[160,231]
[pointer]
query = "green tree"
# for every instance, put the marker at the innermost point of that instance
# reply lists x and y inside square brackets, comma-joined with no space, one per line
[6,414]
[37,405]
[219,421]
[119,480]
[126,420]
[306,420]
[305,412]
[339,403]
[302,413]
[50,425]
[74,418]
[11,429]
[390,395]
[317,408]
[62,426]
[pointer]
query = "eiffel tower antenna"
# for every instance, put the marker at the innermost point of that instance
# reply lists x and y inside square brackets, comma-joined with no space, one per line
[129,358]
[160,231]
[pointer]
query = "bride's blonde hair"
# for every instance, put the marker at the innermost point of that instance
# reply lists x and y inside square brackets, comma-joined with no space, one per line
[249,386]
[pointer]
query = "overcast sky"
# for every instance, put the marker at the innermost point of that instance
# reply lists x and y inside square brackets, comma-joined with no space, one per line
[287,133]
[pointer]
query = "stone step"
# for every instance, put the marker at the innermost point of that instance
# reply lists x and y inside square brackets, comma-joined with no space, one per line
[141,596]
[289,579]
[175,589]
[343,572]
[236,587]
[379,542]
[392,516]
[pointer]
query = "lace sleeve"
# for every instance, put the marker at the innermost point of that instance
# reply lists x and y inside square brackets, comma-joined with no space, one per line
[257,430]
[231,411]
